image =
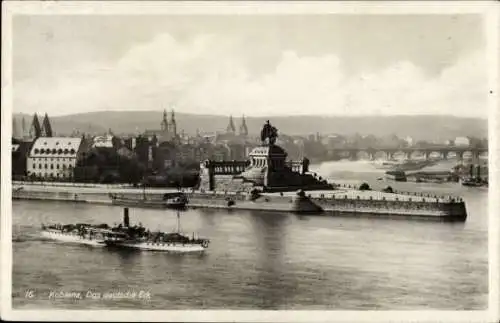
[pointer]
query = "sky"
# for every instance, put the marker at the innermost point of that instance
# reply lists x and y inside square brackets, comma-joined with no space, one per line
[254,64]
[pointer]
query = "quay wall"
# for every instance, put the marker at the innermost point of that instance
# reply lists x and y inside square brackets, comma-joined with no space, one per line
[437,209]
[444,210]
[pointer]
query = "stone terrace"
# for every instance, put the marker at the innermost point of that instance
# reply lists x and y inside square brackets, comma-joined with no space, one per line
[375,195]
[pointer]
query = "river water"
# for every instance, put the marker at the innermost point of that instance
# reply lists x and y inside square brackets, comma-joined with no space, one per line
[259,260]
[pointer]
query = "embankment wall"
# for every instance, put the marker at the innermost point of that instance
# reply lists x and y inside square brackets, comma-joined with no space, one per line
[266,202]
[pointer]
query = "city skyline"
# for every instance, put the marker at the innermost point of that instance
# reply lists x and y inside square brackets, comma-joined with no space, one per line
[218,65]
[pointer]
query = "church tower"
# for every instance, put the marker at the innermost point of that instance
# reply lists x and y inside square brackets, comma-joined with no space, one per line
[35,129]
[230,127]
[173,125]
[243,127]
[164,122]
[46,130]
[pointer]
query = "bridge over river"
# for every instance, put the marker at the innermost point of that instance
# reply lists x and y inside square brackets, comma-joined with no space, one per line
[443,152]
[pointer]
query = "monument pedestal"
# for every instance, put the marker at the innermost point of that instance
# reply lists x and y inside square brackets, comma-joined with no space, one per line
[266,168]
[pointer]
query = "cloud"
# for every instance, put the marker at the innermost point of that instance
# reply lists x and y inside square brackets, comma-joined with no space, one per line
[209,74]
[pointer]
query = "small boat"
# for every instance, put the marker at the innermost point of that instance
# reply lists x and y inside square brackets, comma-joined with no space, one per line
[412,165]
[138,237]
[87,234]
[396,175]
[473,182]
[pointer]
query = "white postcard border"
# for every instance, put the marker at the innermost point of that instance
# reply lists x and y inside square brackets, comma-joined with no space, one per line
[487,8]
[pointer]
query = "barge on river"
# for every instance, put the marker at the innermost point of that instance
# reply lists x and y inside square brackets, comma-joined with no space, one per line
[176,200]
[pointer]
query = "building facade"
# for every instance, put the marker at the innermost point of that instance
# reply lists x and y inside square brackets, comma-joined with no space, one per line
[20,152]
[462,141]
[54,157]
[145,149]
[106,141]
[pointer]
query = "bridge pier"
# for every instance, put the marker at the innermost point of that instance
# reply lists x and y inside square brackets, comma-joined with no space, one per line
[408,155]
[460,156]
[445,155]
[334,155]
[427,155]
[475,157]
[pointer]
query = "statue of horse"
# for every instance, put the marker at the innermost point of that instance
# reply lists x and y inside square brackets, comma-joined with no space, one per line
[268,132]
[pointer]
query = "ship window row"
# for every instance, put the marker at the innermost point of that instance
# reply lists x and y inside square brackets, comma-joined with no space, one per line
[54,151]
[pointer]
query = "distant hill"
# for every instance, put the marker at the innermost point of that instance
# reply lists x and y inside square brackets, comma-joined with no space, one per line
[427,127]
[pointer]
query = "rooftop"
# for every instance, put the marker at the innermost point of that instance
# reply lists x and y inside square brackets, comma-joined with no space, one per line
[46,146]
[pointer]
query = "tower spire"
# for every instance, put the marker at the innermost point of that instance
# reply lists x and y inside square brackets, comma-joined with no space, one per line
[35,129]
[230,127]
[164,121]
[46,130]
[173,123]
[243,127]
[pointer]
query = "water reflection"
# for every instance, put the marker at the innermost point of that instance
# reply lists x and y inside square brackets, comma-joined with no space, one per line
[270,232]
[207,216]
[269,229]
[127,257]
[265,260]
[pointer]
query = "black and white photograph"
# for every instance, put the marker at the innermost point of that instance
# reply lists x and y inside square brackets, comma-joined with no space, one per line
[250,161]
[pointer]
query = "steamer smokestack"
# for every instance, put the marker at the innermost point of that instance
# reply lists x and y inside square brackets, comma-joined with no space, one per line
[125,217]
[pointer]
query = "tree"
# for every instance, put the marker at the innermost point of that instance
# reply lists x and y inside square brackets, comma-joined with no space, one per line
[364,187]
[130,170]
[388,189]
[107,166]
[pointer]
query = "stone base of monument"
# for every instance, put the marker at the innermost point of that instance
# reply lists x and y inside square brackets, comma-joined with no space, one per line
[302,204]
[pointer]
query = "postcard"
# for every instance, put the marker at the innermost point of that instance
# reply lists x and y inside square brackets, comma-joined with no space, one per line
[250,161]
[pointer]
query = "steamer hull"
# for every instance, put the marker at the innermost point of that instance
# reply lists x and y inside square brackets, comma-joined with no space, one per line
[162,246]
[73,238]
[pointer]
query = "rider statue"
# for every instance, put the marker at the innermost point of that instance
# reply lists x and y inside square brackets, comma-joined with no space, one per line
[268,132]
